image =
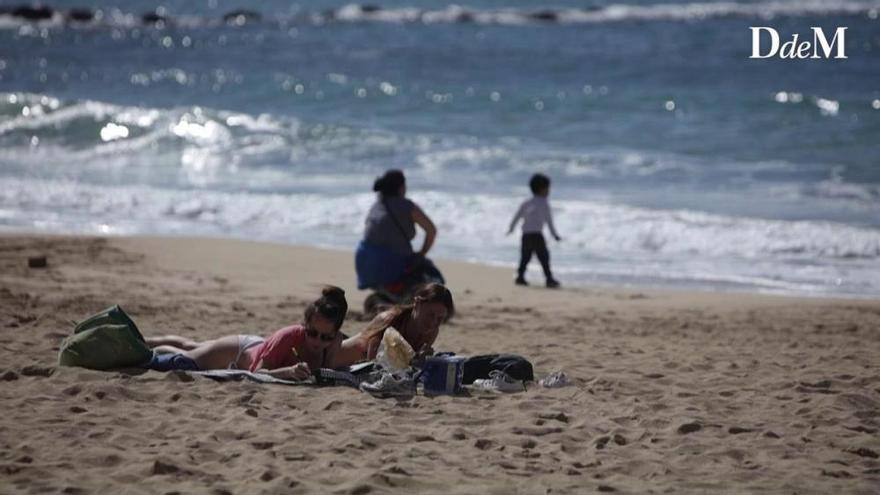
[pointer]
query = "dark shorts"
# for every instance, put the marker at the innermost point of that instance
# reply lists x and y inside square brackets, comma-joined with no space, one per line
[168,362]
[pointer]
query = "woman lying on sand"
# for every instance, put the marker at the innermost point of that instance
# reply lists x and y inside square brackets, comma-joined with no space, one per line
[290,353]
[418,323]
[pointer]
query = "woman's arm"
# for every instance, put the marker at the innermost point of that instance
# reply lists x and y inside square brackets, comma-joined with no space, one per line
[365,344]
[350,351]
[425,223]
[299,371]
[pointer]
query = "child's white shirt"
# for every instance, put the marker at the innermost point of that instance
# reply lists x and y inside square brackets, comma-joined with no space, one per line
[535,212]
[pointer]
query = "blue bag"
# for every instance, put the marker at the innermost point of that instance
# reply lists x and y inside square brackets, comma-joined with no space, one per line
[443,375]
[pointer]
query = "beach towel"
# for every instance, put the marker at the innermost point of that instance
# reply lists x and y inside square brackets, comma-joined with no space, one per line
[106,340]
[240,375]
[321,377]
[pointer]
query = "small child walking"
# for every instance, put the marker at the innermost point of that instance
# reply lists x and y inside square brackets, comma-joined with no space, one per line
[535,212]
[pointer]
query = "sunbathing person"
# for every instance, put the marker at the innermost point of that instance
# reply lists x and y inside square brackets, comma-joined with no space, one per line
[418,323]
[289,353]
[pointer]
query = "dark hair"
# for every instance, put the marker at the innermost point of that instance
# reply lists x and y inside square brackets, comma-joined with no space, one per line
[388,185]
[331,305]
[428,293]
[435,293]
[538,183]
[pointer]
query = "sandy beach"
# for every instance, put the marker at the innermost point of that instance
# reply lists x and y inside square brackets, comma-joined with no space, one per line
[674,392]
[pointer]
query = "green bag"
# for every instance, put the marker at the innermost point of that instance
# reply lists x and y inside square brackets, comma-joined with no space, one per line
[107,340]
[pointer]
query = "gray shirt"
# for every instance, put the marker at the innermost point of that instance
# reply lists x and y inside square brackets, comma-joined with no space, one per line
[381,228]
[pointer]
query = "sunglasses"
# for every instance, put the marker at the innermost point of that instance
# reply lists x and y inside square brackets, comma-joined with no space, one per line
[312,333]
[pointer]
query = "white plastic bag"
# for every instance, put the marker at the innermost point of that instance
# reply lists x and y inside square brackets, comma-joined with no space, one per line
[394,353]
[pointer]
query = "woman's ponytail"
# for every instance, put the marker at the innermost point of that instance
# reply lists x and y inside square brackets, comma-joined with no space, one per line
[389,184]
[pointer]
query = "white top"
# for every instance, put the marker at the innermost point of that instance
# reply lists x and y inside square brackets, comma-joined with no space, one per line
[534,212]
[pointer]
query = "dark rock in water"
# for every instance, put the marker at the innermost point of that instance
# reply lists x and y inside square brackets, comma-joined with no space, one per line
[37,262]
[80,15]
[544,15]
[464,17]
[32,13]
[241,17]
[369,9]
[326,15]
[154,19]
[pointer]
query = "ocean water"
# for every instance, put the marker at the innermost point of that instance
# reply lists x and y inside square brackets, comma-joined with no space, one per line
[676,160]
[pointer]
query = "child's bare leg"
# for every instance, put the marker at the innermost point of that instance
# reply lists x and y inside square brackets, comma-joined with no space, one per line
[176,341]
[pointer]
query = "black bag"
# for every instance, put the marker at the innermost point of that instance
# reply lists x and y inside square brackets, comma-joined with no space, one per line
[517,367]
[421,270]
